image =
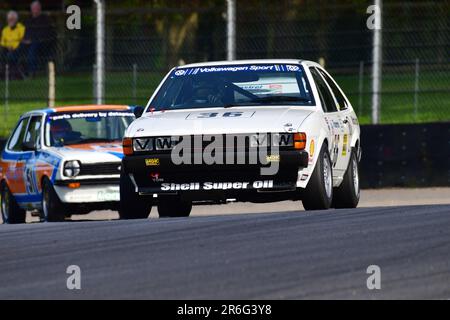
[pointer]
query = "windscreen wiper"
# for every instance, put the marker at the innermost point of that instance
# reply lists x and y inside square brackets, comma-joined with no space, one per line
[267,99]
[247,104]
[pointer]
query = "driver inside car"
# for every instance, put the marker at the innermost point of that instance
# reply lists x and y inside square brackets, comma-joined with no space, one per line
[207,94]
[61,132]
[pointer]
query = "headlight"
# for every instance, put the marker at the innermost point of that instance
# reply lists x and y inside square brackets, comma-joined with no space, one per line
[72,168]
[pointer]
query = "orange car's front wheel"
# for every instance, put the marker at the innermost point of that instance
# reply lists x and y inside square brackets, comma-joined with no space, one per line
[11,212]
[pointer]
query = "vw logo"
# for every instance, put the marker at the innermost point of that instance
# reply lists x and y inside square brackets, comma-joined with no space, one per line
[293,68]
[180,72]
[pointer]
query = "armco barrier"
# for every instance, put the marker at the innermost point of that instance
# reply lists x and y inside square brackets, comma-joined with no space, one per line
[405,155]
[416,155]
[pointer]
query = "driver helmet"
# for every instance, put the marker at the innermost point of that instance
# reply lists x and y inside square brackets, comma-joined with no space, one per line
[60,129]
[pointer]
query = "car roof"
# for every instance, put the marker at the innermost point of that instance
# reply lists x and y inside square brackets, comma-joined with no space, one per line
[80,108]
[238,62]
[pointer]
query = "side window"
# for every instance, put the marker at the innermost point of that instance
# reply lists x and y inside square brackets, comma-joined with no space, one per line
[33,134]
[16,142]
[337,93]
[328,102]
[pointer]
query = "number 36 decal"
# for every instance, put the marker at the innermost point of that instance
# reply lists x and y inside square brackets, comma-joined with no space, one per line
[226,114]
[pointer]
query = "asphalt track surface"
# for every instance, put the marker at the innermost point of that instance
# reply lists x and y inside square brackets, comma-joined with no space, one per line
[279,255]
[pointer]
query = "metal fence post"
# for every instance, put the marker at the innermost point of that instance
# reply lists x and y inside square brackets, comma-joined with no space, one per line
[360,87]
[416,89]
[377,63]
[51,85]
[94,83]
[134,90]
[100,52]
[231,29]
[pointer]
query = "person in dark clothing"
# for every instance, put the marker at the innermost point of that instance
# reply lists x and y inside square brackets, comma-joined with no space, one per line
[39,37]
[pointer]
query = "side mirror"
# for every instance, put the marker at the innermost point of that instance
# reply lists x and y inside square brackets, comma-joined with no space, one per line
[29,146]
[138,111]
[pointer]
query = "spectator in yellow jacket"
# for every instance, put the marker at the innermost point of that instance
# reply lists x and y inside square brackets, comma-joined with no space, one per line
[11,39]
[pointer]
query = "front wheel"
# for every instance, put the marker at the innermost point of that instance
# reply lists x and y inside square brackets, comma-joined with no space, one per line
[173,207]
[319,191]
[347,194]
[52,208]
[11,212]
[132,206]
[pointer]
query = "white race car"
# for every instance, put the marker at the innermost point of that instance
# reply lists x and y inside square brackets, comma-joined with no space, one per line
[257,131]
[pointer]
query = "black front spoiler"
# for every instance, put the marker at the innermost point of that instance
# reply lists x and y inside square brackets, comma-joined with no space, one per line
[157,174]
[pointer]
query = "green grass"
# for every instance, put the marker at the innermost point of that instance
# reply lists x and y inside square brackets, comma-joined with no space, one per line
[397,101]
[75,89]
[397,98]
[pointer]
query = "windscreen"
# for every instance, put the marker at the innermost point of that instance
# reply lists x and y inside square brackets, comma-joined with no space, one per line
[238,85]
[87,127]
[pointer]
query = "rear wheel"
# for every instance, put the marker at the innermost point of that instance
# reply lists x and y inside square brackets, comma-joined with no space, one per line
[52,208]
[347,194]
[132,206]
[319,191]
[11,212]
[173,207]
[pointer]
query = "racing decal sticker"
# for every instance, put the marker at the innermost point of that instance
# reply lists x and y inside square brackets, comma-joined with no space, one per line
[180,72]
[292,68]
[30,180]
[238,68]
[152,162]
[207,186]
[93,115]
[108,195]
[156,177]
[273,158]
[328,124]
[213,115]
[344,147]
[336,125]
[335,150]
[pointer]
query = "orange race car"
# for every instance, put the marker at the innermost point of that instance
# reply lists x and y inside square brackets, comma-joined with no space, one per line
[63,161]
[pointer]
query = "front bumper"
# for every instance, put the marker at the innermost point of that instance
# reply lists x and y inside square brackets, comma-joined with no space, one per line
[157,174]
[88,192]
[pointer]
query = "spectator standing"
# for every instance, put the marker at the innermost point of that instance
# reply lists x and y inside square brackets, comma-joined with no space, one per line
[39,37]
[11,39]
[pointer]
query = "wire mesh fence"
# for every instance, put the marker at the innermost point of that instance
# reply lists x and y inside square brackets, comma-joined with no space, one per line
[143,43]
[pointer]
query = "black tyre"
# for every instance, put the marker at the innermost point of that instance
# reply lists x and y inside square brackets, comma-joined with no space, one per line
[11,212]
[132,206]
[347,194]
[318,194]
[173,207]
[52,208]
